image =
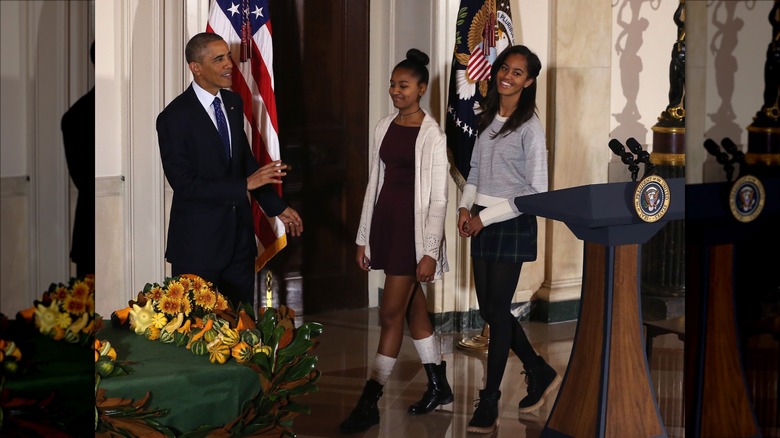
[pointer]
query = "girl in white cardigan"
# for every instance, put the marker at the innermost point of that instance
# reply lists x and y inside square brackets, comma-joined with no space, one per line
[402,232]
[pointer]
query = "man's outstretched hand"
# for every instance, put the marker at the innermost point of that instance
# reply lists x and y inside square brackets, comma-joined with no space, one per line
[271,173]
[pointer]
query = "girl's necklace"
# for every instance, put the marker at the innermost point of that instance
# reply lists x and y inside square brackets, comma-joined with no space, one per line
[409,114]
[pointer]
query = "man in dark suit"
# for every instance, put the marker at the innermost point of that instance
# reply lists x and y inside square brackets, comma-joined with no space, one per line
[78,137]
[210,233]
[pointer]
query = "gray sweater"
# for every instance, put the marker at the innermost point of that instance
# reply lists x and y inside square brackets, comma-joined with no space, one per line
[505,167]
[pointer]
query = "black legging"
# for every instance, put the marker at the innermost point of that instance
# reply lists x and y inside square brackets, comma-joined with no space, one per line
[495,284]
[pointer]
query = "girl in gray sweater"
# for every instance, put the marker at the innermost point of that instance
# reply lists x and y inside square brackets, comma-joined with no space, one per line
[509,160]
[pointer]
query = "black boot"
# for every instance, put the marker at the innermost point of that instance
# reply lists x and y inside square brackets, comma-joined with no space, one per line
[438,393]
[542,380]
[486,415]
[366,413]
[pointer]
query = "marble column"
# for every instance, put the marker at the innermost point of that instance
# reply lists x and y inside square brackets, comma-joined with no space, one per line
[580,72]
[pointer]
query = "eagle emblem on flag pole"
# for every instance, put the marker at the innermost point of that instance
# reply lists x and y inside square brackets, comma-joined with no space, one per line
[483,30]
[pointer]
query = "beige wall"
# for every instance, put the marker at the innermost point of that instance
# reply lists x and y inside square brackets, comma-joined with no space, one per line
[136,74]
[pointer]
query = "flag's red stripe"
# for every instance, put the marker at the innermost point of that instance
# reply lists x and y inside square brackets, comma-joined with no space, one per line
[257,119]
[259,72]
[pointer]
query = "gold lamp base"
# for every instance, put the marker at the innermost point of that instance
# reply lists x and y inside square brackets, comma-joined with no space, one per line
[479,342]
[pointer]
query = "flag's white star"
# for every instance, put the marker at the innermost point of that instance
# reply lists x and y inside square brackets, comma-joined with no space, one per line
[258,12]
[457,121]
[233,9]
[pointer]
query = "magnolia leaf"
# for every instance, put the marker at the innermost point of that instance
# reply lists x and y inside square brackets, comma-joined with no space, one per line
[265,384]
[286,338]
[298,346]
[283,360]
[301,369]
[306,388]
[315,328]
[278,333]
[267,324]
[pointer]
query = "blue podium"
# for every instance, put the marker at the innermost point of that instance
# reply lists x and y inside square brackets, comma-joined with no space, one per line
[717,397]
[607,390]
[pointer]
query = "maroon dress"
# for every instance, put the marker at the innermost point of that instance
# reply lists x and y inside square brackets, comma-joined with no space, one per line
[392,225]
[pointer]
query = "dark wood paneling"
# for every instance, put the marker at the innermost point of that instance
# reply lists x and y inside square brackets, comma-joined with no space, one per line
[321,74]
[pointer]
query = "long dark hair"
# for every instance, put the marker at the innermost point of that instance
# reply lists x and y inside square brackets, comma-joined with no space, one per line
[526,107]
[416,61]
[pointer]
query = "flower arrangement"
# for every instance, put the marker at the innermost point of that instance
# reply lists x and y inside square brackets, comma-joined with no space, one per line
[168,305]
[187,312]
[66,311]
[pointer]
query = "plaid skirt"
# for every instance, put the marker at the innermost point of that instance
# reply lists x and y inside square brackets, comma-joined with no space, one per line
[513,240]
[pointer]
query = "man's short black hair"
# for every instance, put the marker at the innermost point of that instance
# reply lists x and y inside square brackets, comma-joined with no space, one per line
[197,44]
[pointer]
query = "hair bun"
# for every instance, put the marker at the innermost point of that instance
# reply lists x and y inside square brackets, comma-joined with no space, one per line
[417,55]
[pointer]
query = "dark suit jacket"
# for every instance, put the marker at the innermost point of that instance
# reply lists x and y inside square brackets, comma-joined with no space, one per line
[78,137]
[210,201]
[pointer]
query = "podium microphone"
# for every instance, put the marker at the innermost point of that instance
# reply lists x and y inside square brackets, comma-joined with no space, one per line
[625,156]
[642,155]
[722,158]
[737,156]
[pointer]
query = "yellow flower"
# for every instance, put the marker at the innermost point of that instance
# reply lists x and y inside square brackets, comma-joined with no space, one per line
[141,317]
[169,305]
[198,284]
[155,293]
[159,320]
[186,307]
[64,320]
[60,293]
[176,290]
[46,317]
[205,298]
[185,283]
[80,290]
[74,304]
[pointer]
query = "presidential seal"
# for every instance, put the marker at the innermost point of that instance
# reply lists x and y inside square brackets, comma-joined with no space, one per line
[651,198]
[746,198]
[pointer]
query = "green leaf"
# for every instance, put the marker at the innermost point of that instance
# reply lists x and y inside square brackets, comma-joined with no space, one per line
[315,328]
[267,324]
[303,389]
[283,360]
[300,344]
[301,369]
[261,360]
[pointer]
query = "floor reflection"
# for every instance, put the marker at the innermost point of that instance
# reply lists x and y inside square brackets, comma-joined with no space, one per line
[347,348]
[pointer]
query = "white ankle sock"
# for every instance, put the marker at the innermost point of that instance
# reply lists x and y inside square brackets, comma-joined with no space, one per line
[383,366]
[428,349]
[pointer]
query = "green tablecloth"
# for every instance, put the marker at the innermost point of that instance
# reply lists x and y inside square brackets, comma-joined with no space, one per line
[195,391]
[61,373]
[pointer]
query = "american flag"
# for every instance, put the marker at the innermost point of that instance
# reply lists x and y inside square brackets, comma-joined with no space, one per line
[246,26]
[483,29]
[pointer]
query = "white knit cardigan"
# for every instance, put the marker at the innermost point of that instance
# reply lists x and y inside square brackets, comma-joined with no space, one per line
[431,168]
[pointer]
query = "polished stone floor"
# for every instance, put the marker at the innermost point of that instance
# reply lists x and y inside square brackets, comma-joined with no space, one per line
[348,345]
